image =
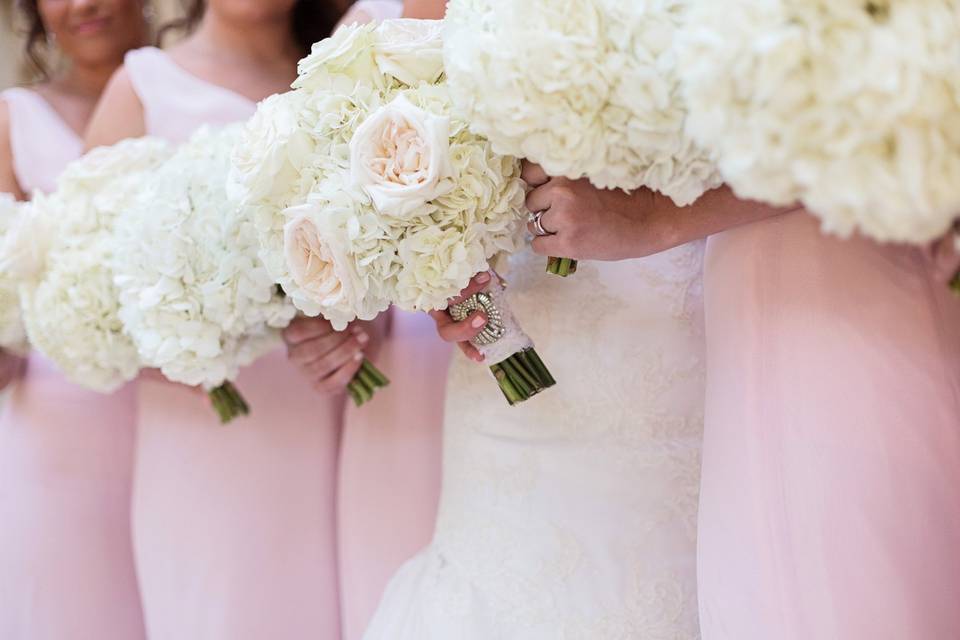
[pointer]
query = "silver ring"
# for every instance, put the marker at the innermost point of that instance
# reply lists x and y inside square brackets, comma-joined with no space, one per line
[538,224]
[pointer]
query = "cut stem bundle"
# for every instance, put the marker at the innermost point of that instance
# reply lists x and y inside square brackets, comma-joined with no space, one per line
[228,402]
[365,383]
[562,267]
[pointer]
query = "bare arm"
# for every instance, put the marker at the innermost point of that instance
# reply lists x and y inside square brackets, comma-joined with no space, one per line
[8,179]
[119,114]
[11,365]
[426,9]
[596,224]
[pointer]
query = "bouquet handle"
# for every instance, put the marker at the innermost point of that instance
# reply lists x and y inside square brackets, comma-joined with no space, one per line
[515,364]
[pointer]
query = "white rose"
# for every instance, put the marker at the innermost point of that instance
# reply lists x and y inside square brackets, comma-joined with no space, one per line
[317,251]
[347,51]
[410,50]
[400,157]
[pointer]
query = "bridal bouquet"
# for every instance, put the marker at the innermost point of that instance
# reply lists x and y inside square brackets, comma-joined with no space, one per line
[586,88]
[194,296]
[70,303]
[13,336]
[368,191]
[850,107]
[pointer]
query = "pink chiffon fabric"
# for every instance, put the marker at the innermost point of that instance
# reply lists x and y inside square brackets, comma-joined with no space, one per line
[66,460]
[234,526]
[830,502]
[391,451]
[390,468]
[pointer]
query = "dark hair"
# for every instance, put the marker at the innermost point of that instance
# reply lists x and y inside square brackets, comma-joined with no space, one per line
[36,35]
[310,20]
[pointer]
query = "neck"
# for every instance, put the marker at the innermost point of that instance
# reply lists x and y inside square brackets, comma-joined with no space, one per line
[264,42]
[88,81]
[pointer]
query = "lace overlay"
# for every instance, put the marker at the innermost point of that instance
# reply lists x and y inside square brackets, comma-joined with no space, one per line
[573,515]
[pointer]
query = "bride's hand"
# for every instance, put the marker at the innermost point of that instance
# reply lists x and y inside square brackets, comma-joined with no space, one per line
[462,333]
[327,358]
[587,223]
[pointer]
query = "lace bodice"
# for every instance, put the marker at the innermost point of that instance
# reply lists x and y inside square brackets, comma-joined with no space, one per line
[574,515]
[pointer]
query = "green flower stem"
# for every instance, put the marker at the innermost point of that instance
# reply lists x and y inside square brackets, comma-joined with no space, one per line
[228,402]
[955,283]
[562,267]
[522,376]
[365,383]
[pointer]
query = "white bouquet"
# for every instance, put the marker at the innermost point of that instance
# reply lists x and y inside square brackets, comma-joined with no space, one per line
[70,304]
[368,191]
[585,88]
[194,296]
[13,335]
[851,107]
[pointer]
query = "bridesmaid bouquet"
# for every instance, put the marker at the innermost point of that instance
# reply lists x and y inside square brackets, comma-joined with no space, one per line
[13,335]
[70,303]
[194,296]
[850,107]
[368,192]
[587,88]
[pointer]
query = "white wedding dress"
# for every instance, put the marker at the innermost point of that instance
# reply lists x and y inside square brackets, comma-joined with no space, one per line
[572,516]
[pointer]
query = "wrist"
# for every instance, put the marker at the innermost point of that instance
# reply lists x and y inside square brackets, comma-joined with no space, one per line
[653,226]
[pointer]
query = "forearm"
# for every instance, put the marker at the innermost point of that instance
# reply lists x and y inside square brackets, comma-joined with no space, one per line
[424,9]
[715,211]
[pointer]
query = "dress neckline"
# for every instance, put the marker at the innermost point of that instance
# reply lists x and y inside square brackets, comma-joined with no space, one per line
[51,111]
[197,80]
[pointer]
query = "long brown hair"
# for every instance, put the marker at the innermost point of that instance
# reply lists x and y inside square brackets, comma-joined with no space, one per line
[36,34]
[310,20]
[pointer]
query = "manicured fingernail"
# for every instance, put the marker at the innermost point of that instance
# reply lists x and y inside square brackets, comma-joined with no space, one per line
[478,321]
[358,356]
[363,338]
[483,278]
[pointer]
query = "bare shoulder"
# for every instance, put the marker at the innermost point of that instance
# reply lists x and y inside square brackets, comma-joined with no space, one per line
[118,115]
[8,179]
[424,9]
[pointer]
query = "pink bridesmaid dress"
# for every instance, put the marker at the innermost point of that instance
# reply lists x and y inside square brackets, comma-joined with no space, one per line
[830,502]
[390,456]
[66,463]
[234,526]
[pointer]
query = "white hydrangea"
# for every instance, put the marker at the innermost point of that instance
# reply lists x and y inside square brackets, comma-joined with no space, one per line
[70,305]
[193,293]
[345,229]
[13,335]
[584,88]
[851,107]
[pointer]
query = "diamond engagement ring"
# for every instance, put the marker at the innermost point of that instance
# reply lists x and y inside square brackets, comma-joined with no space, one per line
[538,224]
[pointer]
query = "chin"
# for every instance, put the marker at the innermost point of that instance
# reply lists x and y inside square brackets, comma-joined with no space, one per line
[253,10]
[106,49]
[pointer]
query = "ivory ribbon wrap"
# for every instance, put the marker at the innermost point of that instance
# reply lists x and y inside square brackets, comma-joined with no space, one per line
[502,337]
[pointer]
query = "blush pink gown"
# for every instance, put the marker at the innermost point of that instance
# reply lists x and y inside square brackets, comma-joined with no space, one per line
[830,503]
[390,456]
[234,526]
[66,460]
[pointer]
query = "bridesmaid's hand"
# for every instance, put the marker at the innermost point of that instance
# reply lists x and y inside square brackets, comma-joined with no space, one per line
[328,359]
[587,223]
[462,332]
[12,367]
